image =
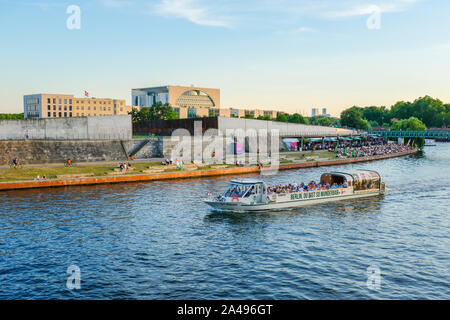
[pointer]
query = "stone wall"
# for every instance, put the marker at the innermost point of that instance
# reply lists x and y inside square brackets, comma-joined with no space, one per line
[58,151]
[79,128]
[52,151]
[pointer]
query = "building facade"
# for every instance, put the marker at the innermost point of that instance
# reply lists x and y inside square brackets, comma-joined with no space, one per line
[192,102]
[67,106]
[177,96]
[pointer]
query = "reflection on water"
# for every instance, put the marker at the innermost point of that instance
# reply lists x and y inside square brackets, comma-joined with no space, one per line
[159,241]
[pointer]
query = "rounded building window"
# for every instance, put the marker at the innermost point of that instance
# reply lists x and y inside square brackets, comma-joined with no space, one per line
[195,98]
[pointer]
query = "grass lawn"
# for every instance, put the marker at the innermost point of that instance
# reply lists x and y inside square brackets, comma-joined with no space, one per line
[321,155]
[24,174]
[21,174]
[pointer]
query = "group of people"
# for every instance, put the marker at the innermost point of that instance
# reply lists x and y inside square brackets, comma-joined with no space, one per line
[311,186]
[178,163]
[370,150]
[124,166]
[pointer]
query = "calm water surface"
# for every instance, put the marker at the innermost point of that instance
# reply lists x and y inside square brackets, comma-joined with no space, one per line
[159,241]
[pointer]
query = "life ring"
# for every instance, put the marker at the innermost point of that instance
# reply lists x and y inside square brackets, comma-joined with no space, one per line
[235,198]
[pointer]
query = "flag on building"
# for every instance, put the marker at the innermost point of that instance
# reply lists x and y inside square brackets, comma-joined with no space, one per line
[86,94]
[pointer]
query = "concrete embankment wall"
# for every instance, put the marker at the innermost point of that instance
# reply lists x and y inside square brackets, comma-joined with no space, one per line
[79,128]
[54,151]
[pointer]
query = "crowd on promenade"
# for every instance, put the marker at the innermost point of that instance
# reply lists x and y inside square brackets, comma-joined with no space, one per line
[369,150]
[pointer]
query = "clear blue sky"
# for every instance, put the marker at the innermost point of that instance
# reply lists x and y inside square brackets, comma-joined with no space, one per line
[284,54]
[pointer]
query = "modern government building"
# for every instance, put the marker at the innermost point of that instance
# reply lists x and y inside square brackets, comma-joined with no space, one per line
[188,102]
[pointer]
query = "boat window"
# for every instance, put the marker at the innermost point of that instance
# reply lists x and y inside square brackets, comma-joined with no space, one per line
[235,190]
[251,191]
[334,179]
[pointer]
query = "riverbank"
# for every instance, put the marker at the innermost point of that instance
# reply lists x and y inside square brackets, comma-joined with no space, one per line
[210,171]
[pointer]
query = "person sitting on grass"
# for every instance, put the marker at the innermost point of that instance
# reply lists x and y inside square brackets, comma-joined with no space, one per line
[260,164]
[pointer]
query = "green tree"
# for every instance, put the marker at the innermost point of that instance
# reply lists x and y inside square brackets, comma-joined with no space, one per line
[426,109]
[409,124]
[282,117]
[376,115]
[161,111]
[352,118]
[296,118]
[158,111]
[322,121]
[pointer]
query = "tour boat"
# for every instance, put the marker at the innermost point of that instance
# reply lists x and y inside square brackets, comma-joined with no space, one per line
[244,195]
[430,143]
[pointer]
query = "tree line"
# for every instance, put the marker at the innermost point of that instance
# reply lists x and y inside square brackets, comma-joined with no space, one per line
[160,111]
[422,113]
[11,116]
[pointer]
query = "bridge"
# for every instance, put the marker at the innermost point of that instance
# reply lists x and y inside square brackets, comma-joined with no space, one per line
[427,134]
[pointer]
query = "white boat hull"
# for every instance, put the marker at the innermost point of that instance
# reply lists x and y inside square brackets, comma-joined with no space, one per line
[242,207]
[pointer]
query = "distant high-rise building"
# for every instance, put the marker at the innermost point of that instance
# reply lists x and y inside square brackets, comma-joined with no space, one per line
[324,111]
[315,112]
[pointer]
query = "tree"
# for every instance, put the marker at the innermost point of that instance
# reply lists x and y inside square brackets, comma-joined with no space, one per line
[376,115]
[426,109]
[282,117]
[158,111]
[322,121]
[161,111]
[409,124]
[373,123]
[353,118]
[296,118]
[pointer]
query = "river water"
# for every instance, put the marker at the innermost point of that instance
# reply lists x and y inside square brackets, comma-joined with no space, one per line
[159,241]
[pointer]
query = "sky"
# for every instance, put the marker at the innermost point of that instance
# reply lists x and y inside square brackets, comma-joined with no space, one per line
[286,55]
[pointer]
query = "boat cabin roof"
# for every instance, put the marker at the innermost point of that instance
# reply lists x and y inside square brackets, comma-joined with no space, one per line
[247,181]
[357,175]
